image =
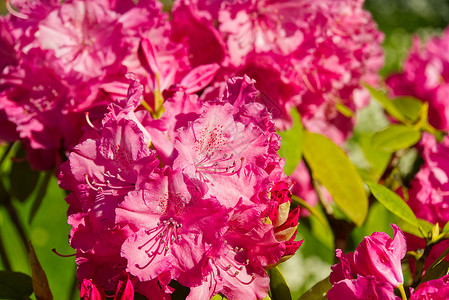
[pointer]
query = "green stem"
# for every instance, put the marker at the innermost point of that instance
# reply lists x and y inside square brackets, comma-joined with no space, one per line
[402,290]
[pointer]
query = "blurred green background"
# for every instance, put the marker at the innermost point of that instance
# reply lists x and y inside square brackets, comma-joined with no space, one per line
[398,19]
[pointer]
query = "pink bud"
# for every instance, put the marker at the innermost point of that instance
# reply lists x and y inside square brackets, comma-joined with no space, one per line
[124,289]
[89,291]
[381,256]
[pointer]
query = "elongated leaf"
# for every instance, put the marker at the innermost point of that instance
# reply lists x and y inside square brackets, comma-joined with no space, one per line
[395,137]
[421,230]
[291,143]
[393,203]
[318,291]
[436,272]
[15,285]
[446,227]
[279,289]
[23,178]
[39,279]
[332,168]
[387,104]
[408,106]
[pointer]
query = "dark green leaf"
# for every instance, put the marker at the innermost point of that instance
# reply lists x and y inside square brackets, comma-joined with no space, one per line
[291,143]
[332,168]
[395,137]
[318,291]
[278,287]
[39,279]
[23,178]
[15,285]
[436,272]
[393,203]
[410,107]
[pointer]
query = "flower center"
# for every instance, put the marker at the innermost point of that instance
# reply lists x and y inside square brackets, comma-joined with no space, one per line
[162,238]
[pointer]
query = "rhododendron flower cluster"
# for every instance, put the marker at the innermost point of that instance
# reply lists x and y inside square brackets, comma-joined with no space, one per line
[429,192]
[305,54]
[374,269]
[198,196]
[63,60]
[426,77]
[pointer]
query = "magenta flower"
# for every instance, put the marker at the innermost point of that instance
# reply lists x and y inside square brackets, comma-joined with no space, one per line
[377,260]
[300,53]
[172,224]
[89,291]
[437,289]
[429,193]
[124,289]
[381,256]
[425,77]
[182,211]
[365,287]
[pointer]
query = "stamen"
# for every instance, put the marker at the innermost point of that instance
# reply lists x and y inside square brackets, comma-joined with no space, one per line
[86,114]
[14,12]
[62,255]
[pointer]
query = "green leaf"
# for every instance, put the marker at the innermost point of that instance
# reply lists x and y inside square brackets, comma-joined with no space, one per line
[395,137]
[313,211]
[39,279]
[291,143]
[436,272]
[393,203]
[279,289]
[332,168]
[446,227]
[15,285]
[422,229]
[410,107]
[23,179]
[318,291]
[387,103]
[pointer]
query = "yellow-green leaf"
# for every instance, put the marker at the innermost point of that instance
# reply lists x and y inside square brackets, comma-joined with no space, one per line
[291,143]
[393,203]
[332,168]
[395,137]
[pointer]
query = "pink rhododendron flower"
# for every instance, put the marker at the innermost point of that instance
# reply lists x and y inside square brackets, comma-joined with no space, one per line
[437,289]
[365,287]
[429,192]
[373,269]
[300,53]
[426,77]
[168,199]
[381,256]
[89,291]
